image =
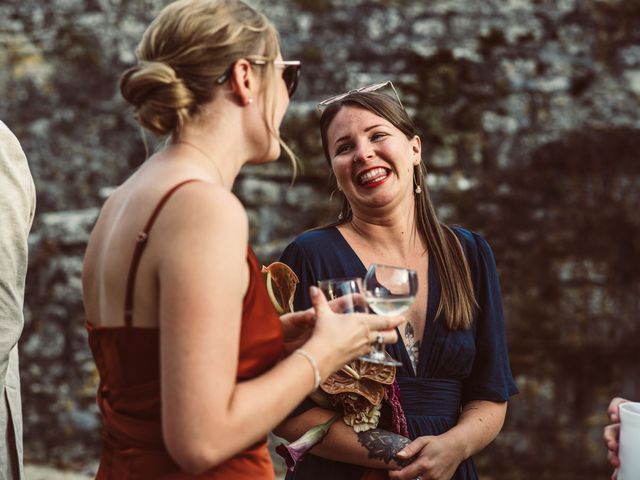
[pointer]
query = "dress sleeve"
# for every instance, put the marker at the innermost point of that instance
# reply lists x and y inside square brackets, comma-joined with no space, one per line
[17,206]
[491,377]
[296,258]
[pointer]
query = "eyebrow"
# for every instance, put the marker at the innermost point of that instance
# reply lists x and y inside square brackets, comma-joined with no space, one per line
[366,130]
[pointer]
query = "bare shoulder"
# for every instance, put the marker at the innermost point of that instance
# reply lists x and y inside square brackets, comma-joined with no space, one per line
[205,220]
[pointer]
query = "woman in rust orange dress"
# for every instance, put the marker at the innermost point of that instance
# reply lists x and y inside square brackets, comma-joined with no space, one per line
[195,365]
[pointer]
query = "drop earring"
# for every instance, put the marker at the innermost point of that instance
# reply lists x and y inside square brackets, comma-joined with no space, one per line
[420,175]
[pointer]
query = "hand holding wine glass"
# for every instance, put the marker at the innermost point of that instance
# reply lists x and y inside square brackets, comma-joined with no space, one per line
[346,295]
[389,291]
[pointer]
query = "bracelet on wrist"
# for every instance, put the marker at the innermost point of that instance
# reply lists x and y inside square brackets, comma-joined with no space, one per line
[317,379]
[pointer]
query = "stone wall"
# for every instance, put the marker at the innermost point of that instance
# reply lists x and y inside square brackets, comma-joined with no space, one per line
[529,113]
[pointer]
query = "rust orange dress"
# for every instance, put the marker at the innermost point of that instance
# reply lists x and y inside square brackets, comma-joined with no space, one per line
[128,361]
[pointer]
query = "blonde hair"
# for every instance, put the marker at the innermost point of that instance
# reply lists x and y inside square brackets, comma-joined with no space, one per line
[188,46]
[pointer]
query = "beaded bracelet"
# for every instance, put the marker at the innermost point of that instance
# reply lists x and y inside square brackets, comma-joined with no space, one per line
[316,371]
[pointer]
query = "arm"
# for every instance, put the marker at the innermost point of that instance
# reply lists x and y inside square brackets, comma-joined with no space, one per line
[438,457]
[374,448]
[17,204]
[203,277]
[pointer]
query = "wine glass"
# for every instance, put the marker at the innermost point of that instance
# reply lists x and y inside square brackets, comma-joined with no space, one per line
[349,293]
[389,291]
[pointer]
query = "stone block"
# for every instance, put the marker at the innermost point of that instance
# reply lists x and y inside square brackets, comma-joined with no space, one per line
[518,107]
[462,7]
[380,24]
[68,228]
[467,50]
[49,344]
[549,84]
[441,157]
[493,122]
[630,56]
[633,79]
[523,29]
[428,29]
[259,191]
[518,71]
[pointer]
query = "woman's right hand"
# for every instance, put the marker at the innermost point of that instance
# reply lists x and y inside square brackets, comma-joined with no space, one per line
[339,338]
[611,434]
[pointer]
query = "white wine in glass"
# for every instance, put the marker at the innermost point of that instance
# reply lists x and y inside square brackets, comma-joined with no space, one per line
[389,306]
[389,291]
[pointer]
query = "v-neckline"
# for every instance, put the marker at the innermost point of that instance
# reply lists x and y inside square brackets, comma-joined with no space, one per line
[429,326]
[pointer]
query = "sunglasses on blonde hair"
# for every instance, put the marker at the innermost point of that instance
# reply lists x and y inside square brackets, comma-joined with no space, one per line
[367,88]
[290,72]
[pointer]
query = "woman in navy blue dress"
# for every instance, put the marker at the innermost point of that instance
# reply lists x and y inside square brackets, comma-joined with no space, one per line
[455,378]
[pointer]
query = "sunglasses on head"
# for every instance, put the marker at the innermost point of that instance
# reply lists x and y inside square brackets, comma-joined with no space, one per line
[290,72]
[367,88]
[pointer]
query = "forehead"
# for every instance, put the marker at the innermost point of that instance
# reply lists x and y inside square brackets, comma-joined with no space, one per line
[352,118]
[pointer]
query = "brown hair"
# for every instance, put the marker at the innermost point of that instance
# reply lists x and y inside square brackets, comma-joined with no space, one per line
[188,46]
[457,300]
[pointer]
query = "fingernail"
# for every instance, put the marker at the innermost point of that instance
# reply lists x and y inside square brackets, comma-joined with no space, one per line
[401,453]
[314,291]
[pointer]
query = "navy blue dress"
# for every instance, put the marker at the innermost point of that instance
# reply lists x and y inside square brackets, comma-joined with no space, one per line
[454,367]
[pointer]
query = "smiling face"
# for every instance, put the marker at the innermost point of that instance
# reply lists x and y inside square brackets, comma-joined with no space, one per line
[372,160]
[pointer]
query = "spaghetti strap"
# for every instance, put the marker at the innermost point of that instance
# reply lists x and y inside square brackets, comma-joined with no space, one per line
[139,250]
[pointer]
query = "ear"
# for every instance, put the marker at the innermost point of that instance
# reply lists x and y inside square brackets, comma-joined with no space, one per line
[243,81]
[416,149]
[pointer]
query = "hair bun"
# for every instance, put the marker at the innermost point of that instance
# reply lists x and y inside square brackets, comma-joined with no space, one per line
[161,99]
